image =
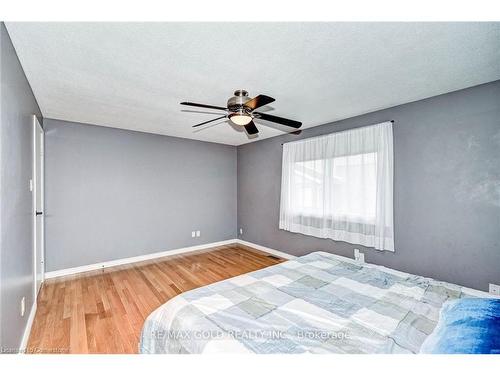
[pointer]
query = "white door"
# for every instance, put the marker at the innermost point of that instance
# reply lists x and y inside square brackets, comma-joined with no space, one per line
[38,205]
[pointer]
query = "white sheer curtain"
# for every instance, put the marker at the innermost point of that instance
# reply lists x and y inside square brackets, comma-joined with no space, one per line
[340,186]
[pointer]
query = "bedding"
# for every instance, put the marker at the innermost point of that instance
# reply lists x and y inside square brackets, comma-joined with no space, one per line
[466,326]
[317,303]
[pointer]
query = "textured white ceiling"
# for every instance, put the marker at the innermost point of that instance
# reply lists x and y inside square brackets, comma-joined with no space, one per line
[133,75]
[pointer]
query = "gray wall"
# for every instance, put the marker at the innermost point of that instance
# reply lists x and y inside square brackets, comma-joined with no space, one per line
[16,240]
[114,193]
[446,188]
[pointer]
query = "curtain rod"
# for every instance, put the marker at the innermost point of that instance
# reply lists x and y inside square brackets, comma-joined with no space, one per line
[334,132]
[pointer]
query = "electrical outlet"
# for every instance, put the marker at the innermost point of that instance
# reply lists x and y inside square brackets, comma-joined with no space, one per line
[23,306]
[31,185]
[241,230]
[495,289]
[198,233]
[193,234]
[359,256]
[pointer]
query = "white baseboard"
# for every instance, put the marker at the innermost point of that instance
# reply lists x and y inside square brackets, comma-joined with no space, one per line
[140,258]
[27,330]
[266,249]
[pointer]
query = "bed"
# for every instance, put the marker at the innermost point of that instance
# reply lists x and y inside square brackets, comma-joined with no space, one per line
[317,303]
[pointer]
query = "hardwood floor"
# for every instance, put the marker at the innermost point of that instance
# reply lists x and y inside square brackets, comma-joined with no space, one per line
[103,311]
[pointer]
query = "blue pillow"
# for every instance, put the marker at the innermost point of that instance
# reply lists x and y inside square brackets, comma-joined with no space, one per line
[466,326]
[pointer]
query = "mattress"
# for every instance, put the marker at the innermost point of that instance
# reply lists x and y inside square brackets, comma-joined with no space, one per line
[317,303]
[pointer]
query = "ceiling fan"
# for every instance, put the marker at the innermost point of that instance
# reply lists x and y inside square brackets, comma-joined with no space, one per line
[241,111]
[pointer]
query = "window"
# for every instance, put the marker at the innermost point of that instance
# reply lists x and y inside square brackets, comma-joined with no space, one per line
[339,186]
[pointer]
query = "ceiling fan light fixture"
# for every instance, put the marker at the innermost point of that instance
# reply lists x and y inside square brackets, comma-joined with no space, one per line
[240,109]
[240,119]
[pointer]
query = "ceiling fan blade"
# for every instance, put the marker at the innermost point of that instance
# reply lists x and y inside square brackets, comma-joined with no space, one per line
[259,101]
[206,122]
[251,128]
[204,106]
[279,120]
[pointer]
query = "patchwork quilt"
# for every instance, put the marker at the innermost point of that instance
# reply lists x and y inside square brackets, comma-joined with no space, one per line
[318,303]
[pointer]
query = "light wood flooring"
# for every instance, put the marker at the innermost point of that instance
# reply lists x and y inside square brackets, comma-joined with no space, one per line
[103,311]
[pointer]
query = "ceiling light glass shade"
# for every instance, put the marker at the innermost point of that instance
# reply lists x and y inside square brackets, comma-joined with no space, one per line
[239,119]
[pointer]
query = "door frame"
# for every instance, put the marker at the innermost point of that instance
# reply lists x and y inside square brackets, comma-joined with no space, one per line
[38,185]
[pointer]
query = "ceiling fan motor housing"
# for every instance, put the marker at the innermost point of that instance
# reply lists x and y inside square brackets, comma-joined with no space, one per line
[236,103]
